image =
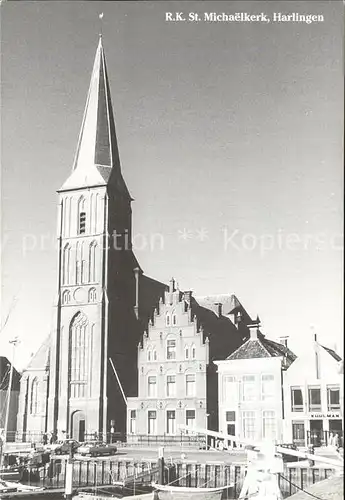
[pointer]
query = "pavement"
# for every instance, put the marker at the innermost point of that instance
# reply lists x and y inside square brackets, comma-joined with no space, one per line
[190,455]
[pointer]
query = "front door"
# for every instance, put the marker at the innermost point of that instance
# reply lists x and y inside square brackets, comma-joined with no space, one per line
[316,432]
[78,426]
[231,430]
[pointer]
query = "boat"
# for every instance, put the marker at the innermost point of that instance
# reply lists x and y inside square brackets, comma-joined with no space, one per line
[166,492]
[11,473]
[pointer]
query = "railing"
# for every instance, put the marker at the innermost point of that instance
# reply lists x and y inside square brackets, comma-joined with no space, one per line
[95,474]
[193,440]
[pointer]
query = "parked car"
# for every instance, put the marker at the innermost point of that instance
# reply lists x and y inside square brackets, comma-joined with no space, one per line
[63,447]
[94,448]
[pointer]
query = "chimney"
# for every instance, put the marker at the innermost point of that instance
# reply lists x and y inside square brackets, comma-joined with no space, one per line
[284,340]
[238,318]
[219,309]
[253,329]
[188,296]
[316,353]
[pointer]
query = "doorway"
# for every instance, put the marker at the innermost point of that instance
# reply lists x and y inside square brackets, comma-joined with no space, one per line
[316,432]
[78,426]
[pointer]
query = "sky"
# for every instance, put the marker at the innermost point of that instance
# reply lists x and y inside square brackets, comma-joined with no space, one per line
[231,144]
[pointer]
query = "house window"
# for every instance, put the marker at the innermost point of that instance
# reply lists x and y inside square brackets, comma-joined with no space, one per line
[229,389]
[171,422]
[267,386]
[269,425]
[152,418]
[152,386]
[230,416]
[298,431]
[248,424]
[132,421]
[190,418]
[333,398]
[296,399]
[171,349]
[34,406]
[190,385]
[249,392]
[314,396]
[171,386]
[92,295]
[66,297]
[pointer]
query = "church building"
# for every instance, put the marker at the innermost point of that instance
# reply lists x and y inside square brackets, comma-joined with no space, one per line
[103,297]
[104,303]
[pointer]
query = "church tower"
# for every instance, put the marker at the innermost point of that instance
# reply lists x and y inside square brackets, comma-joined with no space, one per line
[98,279]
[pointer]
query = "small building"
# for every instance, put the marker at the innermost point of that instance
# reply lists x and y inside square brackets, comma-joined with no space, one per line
[250,388]
[177,381]
[33,400]
[312,395]
[5,369]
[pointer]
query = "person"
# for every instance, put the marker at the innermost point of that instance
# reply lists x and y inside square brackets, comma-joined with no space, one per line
[336,441]
[45,438]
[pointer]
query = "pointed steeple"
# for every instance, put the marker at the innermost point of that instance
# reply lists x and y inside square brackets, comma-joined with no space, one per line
[97,161]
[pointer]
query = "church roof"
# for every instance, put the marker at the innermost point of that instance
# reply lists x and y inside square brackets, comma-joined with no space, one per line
[97,161]
[40,360]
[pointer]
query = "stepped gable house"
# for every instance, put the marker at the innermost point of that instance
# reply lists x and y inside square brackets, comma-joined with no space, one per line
[177,381]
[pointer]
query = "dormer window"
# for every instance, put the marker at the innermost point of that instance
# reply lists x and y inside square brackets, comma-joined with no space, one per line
[82,223]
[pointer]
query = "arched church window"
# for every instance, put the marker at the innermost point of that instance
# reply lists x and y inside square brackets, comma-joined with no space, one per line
[34,407]
[80,265]
[186,352]
[149,355]
[66,263]
[81,216]
[79,355]
[167,319]
[174,321]
[154,355]
[92,261]
[92,295]
[66,297]
[193,352]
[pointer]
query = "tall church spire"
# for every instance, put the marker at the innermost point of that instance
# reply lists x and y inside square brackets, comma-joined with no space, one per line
[97,161]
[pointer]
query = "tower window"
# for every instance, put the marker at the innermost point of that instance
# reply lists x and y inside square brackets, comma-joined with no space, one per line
[82,223]
[66,297]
